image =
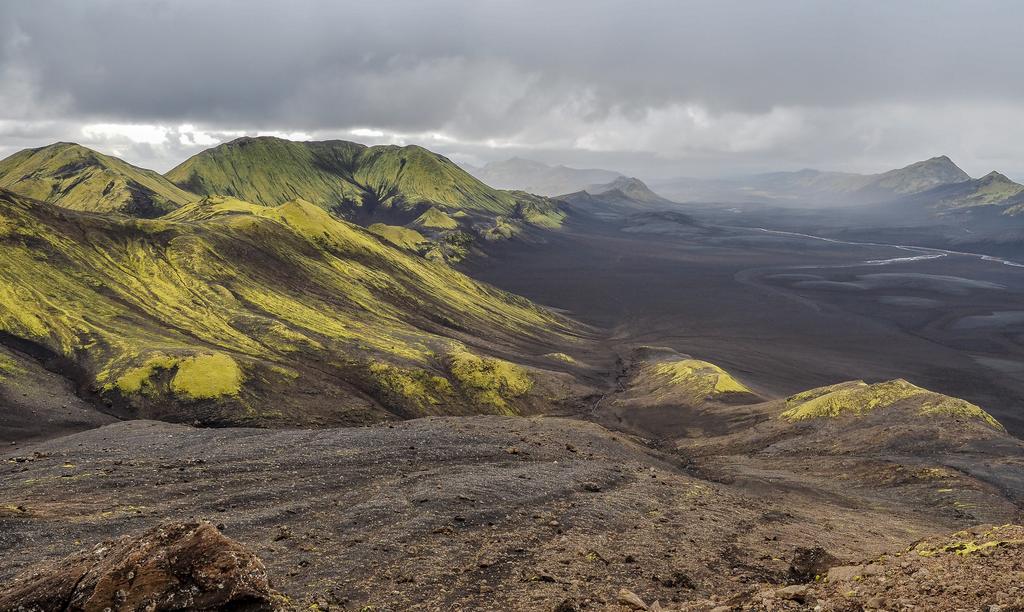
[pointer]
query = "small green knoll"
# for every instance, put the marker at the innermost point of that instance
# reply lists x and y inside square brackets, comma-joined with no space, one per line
[858,398]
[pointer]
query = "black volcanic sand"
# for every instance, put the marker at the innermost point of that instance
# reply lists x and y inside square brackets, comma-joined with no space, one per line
[758,305]
[498,513]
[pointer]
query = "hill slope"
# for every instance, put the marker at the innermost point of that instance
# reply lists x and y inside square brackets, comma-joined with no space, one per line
[230,312]
[381,183]
[79,178]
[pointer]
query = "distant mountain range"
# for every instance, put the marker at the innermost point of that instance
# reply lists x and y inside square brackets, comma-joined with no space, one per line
[936,185]
[537,177]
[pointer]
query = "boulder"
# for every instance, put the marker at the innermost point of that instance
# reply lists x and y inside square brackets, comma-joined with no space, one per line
[175,566]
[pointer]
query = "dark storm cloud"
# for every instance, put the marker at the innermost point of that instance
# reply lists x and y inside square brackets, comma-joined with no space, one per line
[735,79]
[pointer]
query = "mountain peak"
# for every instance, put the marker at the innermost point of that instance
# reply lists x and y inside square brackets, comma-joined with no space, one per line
[74,176]
[996,176]
[628,187]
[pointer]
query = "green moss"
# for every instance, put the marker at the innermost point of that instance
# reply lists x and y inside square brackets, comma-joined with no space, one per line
[700,378]
[267,287]
[968,547]
[399,236]
[207,376]
[9,366]
[138,379]
[336,174]
[502,229]
[561,357]
[411,388]
[75,177]
[488,380]
[434,218]
[858,398]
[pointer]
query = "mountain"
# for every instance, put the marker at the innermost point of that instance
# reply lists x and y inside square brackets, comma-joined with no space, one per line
[993,189]
[621,196]
[827,187]
[815,188]
[229,312]
[915,178]
[386,184]
[79,178]
[632,189]
[537,177]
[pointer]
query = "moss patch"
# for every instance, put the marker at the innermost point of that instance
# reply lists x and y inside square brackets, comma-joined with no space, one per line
[434,218]
[561,357]
[207,376]
[700,378]
[399,236]
[488,380]
[858,398]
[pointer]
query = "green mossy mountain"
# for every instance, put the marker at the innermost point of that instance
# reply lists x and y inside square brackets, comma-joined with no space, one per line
[79,178]
[229,312]
[389,184]
[917,177]
[993,189]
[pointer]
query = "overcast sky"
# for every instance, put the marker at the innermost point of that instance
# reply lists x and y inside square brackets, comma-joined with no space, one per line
[653,89]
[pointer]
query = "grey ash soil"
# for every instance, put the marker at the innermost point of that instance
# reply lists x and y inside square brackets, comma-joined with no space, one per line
[452,513]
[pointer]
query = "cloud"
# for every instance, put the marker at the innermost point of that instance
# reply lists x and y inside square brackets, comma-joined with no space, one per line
[657,86]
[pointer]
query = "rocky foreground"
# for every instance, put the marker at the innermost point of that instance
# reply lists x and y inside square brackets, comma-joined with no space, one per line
[507,513]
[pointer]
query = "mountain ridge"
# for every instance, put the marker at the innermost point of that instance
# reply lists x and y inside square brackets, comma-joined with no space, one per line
[224,305]
[80,178]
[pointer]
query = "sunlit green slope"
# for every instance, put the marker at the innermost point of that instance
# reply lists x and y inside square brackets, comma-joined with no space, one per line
[75,177]
[229,312]
[380,183]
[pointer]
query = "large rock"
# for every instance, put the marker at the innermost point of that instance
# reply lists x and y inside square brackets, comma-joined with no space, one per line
[175,566]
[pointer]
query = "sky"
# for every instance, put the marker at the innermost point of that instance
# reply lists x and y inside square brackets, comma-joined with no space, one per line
[649,88]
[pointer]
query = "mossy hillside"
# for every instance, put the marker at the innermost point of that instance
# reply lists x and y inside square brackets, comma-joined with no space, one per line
[274,289]
[344,176]
[200,376]
[399,236]
[991,189]
[75,177]
[434,218]
[699,379]
[858,398]
[488,380]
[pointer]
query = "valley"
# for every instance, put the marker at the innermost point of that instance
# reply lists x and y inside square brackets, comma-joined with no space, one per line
[796,318]
[386,385]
